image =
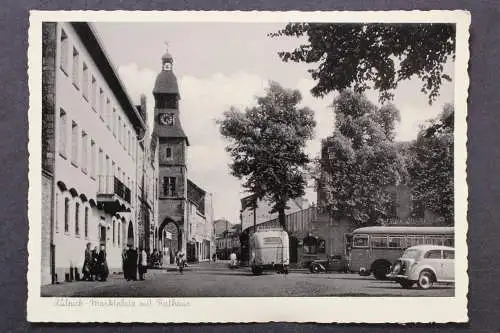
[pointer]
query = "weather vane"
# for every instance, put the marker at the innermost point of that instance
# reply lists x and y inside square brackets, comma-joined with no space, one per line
[166,44]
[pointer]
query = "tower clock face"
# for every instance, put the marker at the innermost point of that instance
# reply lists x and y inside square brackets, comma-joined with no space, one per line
[167,118]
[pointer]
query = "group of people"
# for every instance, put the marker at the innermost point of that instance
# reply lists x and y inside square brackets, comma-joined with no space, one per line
[95,266]
[134,261]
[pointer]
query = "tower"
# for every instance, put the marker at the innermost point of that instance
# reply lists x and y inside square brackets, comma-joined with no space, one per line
[172,144]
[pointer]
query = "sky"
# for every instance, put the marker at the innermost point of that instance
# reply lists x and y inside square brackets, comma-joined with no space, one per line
[219,65]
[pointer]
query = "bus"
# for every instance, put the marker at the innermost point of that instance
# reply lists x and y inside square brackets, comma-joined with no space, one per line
[374,249]
[269,250]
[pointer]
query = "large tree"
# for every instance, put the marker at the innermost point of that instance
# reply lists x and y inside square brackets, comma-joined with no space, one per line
[360,161]
[378,56]
[266,144]
[430,165]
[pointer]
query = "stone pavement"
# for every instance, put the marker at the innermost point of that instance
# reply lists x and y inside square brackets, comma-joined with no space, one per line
[217,280]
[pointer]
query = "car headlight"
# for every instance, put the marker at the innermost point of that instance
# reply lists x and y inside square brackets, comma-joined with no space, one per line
[397,268]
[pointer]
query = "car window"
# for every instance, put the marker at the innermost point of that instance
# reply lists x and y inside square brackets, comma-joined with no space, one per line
[448,254]
[411,254]
[433,254]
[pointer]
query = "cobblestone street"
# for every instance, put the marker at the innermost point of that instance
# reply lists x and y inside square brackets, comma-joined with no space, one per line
[216,280]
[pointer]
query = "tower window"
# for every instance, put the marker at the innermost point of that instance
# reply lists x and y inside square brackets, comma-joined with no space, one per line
[167,101]
[169,188]
[168,153]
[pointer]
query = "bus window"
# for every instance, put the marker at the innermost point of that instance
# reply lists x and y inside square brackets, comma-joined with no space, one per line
[378,241]
[360,241]
[414,240]
[396,242]
[449,242]
[434,240]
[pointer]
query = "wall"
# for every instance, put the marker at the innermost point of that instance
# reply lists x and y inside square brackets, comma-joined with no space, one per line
[74,173]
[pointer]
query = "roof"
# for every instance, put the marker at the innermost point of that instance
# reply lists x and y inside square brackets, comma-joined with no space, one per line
[171,132]
[404,230]
[431,247]
[166,83]
[94,47]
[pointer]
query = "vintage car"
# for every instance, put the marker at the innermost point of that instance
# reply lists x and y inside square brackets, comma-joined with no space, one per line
[330,264]
[424,265]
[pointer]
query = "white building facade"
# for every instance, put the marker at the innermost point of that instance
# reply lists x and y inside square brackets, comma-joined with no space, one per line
[91,142]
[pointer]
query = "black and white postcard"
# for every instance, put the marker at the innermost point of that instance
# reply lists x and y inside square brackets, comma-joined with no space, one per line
[248,166]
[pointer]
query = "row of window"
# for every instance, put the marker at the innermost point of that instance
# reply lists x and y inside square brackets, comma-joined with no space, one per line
[98,163]
[400,242]
[100,103]
[77,210]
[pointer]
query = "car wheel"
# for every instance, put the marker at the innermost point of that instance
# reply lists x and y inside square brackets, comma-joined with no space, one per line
[406,284]
[256,271]
[380,269]
[425,279]
[315,268]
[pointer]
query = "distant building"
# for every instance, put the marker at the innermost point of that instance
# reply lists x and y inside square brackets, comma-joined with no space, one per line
[227,238]
[94,167]
[263,211]
[223,226]
[200,231]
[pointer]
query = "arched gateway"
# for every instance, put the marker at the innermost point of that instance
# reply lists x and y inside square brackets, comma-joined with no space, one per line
[170,238]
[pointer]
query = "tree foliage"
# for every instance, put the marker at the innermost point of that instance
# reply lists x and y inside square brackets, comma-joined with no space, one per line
[430,166]
[360,161]
[266,144]
[379,56]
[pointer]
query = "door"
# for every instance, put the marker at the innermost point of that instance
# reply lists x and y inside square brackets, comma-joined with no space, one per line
[448,265]
[433,259]
[102,238]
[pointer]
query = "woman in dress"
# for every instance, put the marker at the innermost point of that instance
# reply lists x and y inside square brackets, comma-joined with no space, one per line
[87,264]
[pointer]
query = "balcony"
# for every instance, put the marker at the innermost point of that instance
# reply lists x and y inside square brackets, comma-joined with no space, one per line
[113,195]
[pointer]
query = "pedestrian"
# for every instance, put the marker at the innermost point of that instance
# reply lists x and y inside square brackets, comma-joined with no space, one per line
[214,257]
[125,263]
[132,263]
[103,270]
[181,261]
[87,263]
[94,264]
[142,263]
[165,259]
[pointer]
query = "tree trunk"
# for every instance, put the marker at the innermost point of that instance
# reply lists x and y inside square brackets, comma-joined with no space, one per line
[282,218]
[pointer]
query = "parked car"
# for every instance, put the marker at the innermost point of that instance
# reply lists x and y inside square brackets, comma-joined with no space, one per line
[424,265]
[330,264]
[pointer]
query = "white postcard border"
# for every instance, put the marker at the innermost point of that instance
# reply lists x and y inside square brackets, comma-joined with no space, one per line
[237,309]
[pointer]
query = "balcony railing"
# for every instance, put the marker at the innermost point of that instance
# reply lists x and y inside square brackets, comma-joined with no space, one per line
[112,185]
